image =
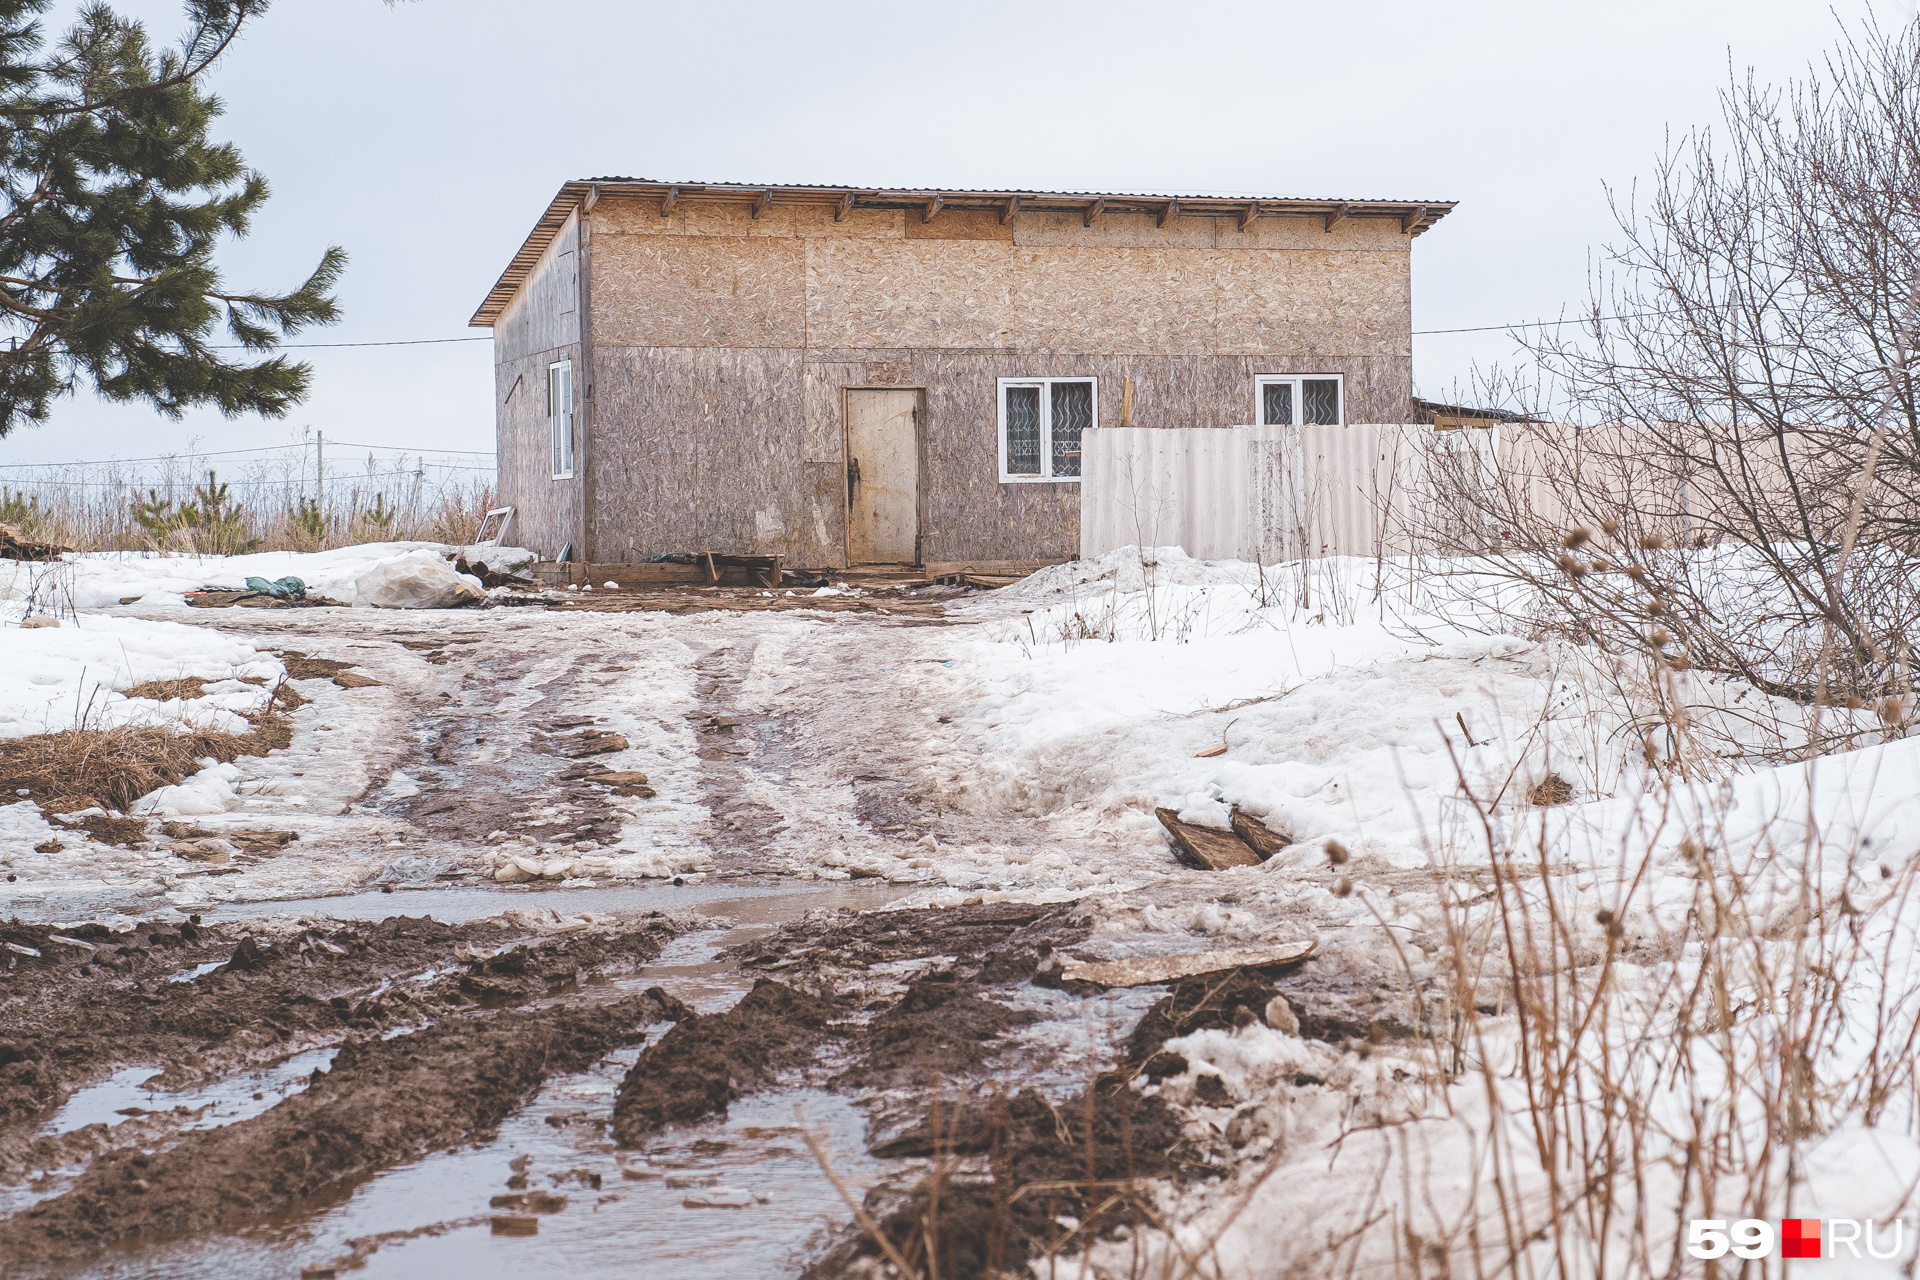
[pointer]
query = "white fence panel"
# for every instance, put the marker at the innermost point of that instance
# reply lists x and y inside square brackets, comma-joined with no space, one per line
[1252,493]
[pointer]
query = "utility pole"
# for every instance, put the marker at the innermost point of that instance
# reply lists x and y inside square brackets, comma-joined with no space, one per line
[320,472]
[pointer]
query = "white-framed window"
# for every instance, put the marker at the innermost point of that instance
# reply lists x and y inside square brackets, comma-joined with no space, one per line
[560,416]
[1040,424]
[1308,399]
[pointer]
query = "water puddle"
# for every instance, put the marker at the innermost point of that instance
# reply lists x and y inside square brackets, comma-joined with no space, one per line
[625,1213]
[733,897]
[124,1095]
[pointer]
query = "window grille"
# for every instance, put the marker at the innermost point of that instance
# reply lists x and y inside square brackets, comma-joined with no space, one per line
[1023,431]
[1072,414]
[1041,422]
[1281,400]
[1320,401]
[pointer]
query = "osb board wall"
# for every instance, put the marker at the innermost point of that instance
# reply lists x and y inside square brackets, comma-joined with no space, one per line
[546,512]
[541,325]
[704,449]
[969,514]
[544,314]
[723,345]
[742,450]
[751,288]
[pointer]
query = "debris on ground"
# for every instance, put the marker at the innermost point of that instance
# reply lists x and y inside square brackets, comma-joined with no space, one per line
[1206,848]
[420,580]
[15,545]
[1144,971]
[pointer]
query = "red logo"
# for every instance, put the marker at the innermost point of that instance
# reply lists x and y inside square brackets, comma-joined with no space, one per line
[1800,1237]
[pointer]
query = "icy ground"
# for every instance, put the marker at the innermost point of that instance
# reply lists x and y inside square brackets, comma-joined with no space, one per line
[1015,749]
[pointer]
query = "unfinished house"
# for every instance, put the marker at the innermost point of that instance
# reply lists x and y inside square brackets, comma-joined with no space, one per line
[843,376]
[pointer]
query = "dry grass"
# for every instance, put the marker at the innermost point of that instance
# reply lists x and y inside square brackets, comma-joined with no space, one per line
[300,667]
[183,687]
[94,507]
[83,768]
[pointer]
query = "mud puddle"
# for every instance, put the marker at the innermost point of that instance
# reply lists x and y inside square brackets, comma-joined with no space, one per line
[124,1095]
[773,903]
[600,1213]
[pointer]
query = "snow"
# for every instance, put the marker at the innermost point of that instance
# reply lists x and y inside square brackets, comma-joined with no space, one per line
[61,677]
[1355,707]
[101,580]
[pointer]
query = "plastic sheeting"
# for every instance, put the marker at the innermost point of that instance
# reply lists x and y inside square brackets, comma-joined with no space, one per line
[422,580]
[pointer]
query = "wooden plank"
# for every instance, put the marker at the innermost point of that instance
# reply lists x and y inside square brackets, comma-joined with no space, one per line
[988,568]
[1143,971]
[1204,848]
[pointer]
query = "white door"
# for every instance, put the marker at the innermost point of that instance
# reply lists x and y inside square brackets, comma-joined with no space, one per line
[883,477]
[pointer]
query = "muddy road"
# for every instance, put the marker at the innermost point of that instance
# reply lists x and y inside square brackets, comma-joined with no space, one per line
[773,1001]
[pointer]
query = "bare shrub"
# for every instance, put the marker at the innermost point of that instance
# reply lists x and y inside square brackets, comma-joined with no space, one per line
[1732,491]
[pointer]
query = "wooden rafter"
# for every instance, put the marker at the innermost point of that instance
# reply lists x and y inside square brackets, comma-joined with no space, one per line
[1093,211]
[1413,220]
[1012,207]
[764,203]
[846,207]
[1169,213]
[1339,216]
[593,198]
[1248,214]
[933,207]
[669,200]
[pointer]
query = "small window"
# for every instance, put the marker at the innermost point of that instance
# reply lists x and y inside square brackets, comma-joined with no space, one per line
[560,417]
[1314,400]
[1041,420]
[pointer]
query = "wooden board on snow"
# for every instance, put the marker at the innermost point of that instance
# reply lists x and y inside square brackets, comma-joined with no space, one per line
[1146,970]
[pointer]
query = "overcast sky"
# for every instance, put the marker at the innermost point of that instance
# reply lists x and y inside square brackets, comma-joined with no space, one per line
[426,138]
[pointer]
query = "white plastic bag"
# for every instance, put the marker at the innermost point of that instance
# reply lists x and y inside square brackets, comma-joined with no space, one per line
[419,580]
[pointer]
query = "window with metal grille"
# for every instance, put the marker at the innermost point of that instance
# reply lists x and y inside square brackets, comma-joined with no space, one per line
[1316,400]
[560,417]
[1041,420]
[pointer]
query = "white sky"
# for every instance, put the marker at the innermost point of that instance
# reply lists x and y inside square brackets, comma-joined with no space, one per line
[426,138]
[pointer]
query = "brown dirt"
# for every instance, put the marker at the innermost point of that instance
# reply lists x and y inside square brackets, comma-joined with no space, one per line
[683,600]
[1038,1161]
[705,1063]
[74,1015]
[381,1103]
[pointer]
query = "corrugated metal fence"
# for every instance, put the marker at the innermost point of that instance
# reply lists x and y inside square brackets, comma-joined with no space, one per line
[1263,493]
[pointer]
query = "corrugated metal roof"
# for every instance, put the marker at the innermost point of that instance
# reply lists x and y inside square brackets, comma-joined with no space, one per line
[1415,216]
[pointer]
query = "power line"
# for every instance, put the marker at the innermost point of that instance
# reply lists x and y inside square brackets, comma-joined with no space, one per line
[1539,324]
[244,485]
[302,346]
[259,449]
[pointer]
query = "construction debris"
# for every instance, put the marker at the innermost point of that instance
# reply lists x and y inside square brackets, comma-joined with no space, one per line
[1261,838]
[15,545]
[1205,848]
[1143,971]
